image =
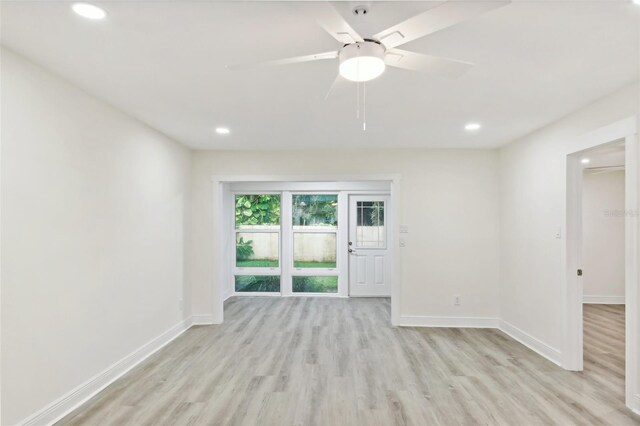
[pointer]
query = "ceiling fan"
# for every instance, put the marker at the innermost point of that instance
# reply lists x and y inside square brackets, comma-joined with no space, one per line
[363,59]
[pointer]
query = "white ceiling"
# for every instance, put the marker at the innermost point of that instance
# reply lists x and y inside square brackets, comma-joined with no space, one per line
[164,63]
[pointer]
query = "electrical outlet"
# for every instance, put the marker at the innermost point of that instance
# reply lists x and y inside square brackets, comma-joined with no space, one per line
[456,300]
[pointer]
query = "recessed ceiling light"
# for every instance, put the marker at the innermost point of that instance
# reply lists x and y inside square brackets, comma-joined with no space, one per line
[89,11]
[636,2]
[472,126]
[585,161]
[222,131]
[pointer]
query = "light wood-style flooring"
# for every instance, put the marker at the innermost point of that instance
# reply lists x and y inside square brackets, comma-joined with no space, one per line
[322,361]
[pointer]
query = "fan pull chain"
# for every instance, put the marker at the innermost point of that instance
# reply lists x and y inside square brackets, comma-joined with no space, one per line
[358,89]
[364,106]
[358,100]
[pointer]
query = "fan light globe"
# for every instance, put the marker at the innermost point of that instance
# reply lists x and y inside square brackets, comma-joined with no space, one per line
[89,11]
[362,61]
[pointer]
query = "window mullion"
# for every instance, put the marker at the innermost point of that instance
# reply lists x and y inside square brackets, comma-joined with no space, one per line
[286,229]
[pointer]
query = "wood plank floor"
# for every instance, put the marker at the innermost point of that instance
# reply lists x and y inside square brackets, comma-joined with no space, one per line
[315,361]
[604,346]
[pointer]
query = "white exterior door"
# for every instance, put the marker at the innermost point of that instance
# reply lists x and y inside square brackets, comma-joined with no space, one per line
[368,246]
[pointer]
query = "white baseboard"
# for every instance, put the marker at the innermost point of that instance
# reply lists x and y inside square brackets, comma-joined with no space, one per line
[202,320]
[605,300]
[452,322]
[78,396]
[548,352]
[636,404]
[552,354]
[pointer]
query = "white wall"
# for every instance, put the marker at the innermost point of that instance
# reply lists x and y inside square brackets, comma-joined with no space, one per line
[603,245]
[449,202]
[94,212]
[533,203]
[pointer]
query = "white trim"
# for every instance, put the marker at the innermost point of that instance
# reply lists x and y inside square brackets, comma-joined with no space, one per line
[550,353]
[316,186]
[326,295]
[610,133]
[448,322]
[541,348]
[635,405]
[604,300]
[388,177]
[393,216]
[271,294]
[219,183]
[81,394]
[256,294]
[632,271]
[219,271]
[571,257]
[201,320]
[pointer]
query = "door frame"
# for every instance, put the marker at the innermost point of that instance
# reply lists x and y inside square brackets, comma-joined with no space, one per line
[573,326]
[388,224]
[220,187]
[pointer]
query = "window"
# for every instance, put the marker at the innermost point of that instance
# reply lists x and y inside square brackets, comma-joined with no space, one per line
[314,250]
[370,230]
[285,242]
[257,283]
[257,243]
[315,228]
[257,249]
[315,284]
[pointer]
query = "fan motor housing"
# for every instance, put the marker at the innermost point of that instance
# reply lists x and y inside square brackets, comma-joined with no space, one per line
[362,61]
[366,48]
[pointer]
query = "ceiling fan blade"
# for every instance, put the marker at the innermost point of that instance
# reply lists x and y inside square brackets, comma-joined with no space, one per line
[442,67]
[437,18]
[335,24]
[338,82]
[286,61]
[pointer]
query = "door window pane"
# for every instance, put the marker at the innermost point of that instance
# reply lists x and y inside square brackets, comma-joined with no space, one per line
[258,211]
[257,249]
[370,229]
[257,283]
[314,250]
[315,284]
[315,210]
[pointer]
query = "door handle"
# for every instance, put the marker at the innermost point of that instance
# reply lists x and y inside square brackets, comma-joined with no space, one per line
[352,251]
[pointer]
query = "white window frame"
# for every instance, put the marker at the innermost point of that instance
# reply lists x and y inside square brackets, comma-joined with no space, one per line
[379,199]
[257,271]
[316,272]
[285,270]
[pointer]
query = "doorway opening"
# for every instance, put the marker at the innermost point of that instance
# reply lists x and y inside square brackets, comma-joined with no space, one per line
[368,246]
[603,265]
[594,258]
[292,238]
